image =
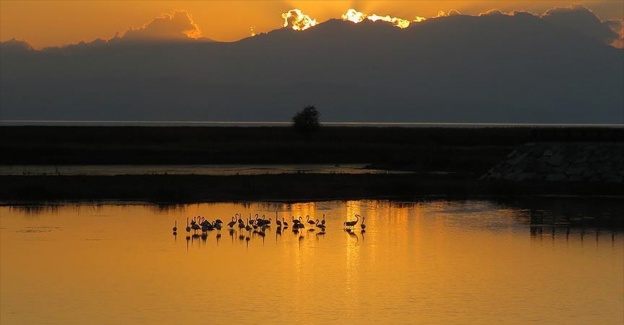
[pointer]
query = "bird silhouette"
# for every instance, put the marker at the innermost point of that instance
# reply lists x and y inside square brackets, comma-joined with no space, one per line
[352,224]
[232,223]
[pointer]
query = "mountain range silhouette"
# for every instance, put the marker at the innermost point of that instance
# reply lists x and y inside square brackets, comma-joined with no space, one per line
[493,68]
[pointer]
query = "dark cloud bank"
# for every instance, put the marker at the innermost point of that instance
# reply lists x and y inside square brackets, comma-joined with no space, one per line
[521,68]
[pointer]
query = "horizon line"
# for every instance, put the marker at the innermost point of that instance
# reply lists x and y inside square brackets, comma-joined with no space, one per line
[283,123]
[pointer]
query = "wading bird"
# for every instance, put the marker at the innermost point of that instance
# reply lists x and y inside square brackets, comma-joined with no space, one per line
[352,224]
[232,223]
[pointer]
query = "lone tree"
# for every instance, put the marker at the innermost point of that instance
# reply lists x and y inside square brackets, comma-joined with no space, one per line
[307,121]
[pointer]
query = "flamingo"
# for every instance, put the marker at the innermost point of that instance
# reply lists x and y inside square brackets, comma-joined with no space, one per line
[195,227]
[194,224]
[362,224]
[188,228]
[277,221]
[312,222]
[248,227]
[264,222]
[352,223]
[175,226]
[232,223]
[204,222]
[254,221]
[323,221]
[297,223]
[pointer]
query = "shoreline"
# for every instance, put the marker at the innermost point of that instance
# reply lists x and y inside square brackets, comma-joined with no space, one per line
[463,154]
[175,189]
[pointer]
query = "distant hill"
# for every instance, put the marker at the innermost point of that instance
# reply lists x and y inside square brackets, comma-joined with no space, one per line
[493,68]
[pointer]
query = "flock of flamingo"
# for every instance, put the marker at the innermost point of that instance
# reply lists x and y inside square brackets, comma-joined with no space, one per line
[258,225]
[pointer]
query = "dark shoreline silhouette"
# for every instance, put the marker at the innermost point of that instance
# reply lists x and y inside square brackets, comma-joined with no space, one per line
[442,162]
[287,187]
[420,149]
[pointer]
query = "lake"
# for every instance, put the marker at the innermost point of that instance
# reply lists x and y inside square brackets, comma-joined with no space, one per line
[212,170]
[548,261]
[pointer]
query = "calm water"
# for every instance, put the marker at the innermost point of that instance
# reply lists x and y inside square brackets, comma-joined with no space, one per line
[217,170]
[433,262]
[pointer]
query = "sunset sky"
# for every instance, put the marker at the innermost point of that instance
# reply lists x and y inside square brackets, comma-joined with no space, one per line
[57,23]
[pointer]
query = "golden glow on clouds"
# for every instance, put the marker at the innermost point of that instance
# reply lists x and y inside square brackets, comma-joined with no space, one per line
[297,20]
[353,16]
[179,25]
[357,17]
[398,22]
[451,12]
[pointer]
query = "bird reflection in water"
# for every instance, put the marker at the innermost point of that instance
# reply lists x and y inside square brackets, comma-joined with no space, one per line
[352,234]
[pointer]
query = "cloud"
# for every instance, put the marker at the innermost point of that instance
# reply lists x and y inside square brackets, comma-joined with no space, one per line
[618,27]
[579,19]
[297,20]
[492,12]
[451,12]
[16,46]
[176,27]
[583,20]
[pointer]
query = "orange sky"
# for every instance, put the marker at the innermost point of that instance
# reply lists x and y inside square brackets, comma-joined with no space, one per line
[55,23]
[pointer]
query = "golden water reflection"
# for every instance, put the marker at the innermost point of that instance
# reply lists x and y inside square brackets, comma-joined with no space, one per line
[437,262]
